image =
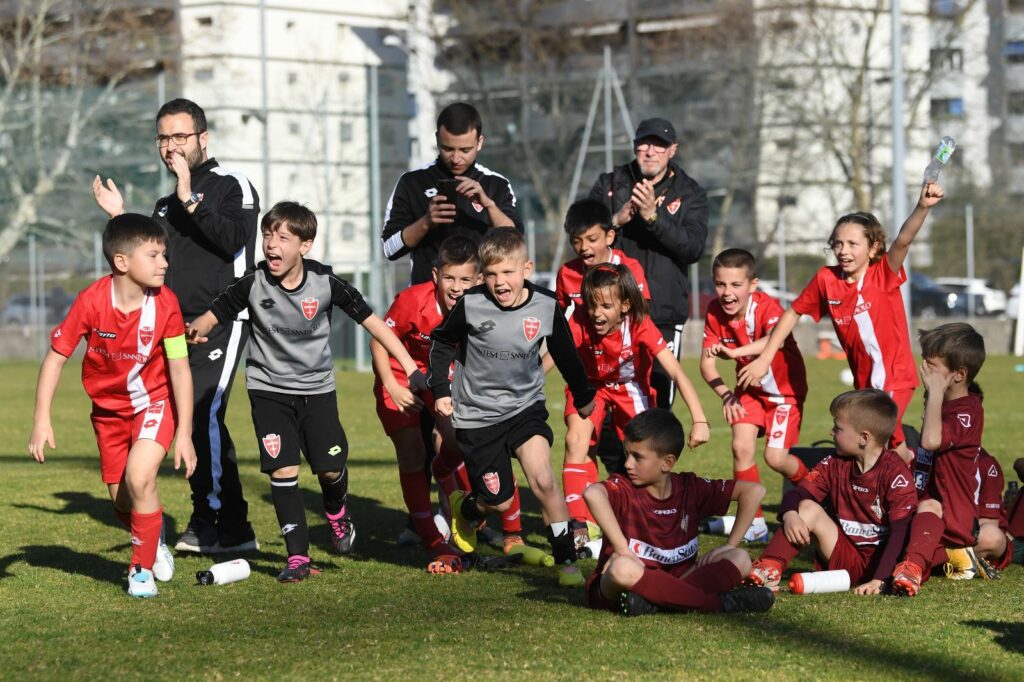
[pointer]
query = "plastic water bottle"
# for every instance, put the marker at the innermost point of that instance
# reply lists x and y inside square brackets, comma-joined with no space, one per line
[820,582]
[947,146]
[721,525]
[224,573]
[1012,491]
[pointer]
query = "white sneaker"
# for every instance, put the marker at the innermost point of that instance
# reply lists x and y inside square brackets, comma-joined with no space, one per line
[758,531]
[140,582]
[163,566]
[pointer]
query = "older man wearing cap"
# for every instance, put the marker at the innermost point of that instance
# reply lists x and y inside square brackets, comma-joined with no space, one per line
[661,215]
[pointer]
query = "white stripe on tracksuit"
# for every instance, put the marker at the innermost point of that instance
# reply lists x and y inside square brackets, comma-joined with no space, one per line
[213,423]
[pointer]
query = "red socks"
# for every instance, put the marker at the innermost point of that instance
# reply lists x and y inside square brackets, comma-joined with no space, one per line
[416,493]
[575,479]
[699,590]
[925,536]
[781,549]
[510,521]
[752,475]
[449,471]
[801,470]
[145,537]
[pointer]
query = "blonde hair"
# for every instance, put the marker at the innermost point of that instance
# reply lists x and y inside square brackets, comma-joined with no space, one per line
[501,243]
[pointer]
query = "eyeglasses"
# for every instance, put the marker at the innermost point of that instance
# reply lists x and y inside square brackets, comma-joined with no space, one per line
[179,139]
[654,146]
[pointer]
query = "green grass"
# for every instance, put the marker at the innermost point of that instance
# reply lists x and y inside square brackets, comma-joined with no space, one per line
[378,614]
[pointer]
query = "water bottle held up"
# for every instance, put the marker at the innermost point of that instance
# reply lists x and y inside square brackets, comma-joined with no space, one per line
[224,573]
[947,145]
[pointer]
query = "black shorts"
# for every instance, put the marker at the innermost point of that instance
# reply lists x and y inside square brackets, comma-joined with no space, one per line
[286,423]
[488,451]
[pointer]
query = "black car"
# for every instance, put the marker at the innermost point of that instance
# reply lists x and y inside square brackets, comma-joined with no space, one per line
[928,300]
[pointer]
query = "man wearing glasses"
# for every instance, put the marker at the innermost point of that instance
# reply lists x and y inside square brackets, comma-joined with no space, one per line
[661,216]
[211,220]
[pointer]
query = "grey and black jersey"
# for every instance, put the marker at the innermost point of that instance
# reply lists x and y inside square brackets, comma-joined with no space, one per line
[290,352]
[498,371]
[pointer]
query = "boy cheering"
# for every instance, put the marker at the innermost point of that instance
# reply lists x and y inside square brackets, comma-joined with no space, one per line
[496,399]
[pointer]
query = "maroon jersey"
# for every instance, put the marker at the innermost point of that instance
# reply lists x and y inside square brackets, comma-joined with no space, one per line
[786,381]
[869,320]
[663,533]
[864,503]
[990,496]
[125,366]
[623,356]
[412,316]
[950,474]
[569,281]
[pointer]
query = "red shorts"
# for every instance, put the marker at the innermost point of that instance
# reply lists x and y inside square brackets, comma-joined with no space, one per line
[115,434]
[858,561]
[781,423]
[1006,559]
[902,398]
[391,418]
[624,400]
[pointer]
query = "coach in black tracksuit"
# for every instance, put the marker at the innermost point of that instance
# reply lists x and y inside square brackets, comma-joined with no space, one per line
[418,220]
[210,220]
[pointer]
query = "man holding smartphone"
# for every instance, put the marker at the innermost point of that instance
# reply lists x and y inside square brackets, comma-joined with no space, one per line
[452,195]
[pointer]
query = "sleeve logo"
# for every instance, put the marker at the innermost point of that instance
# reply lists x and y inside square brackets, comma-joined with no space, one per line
[965,420]
[674,206]
[899,482]
[309,307]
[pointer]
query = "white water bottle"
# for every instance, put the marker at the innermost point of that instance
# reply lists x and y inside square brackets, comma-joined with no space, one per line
[947,146]
[721,525]
[820,582]
[224,573]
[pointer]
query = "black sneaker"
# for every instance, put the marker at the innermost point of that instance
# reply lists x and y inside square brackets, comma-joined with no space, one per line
[632,604]
[242,541]
[747,600]
[199,539]
[298,569]
[343,533]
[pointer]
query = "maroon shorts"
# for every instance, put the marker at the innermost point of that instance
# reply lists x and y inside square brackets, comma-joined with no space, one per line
[855,560]
[391,418]
[116,434]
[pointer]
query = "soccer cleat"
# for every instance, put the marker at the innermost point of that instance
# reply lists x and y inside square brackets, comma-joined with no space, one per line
[163,565]
[511,540]
[445,563]
[245,541]
[198,539]
[580,534]
[758,531]
[570,576]
[298,569]
[343,532]
[961,563]
[765,573]
[489,537]
[632,604]
[747,600]
[463,530]
[986,570]
[906,579]
[140,582]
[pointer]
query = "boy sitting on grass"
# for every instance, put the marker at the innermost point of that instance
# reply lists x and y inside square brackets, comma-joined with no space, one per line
[648,561]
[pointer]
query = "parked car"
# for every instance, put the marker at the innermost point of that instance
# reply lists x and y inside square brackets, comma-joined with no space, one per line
[987,301]
[18,308]
[929,300]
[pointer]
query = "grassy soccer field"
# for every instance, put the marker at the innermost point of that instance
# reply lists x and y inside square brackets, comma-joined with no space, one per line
[378,614]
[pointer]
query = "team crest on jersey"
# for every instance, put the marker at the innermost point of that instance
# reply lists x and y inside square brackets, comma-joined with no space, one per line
[531,327]
[272,444]
[145,335]
[674,206]
[684,524]
[965,420]
[478,207]
[900,482]
[492,482]
[309,307]
[876,508]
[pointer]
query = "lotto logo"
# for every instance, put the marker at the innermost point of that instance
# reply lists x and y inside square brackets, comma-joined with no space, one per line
[267,303]
[149,423]
[430,192]
[272,444]
[215,354]
[335,450]
[389,322]
[776,435]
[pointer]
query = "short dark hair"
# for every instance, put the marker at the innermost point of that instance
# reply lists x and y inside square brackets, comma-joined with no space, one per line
[500,243]
[459,118]
[185,106]
[126,232]
[736,258]
[457,250]
[958,344]
[300,220]
[586,213]
[868,409]
[659,429]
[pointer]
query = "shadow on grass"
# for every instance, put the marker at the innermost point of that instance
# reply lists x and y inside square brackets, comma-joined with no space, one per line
[1010,636]
[96,508]
[72,562]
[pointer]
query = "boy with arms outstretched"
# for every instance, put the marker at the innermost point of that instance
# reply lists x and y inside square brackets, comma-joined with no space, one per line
[496,398]
[136,372]
[870,495]
[737,326]
[649,519]
[290,374]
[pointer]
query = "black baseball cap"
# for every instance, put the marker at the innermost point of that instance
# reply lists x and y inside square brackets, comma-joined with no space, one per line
[656,127]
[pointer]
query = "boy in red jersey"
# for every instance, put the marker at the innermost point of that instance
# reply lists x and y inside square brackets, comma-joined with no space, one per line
[589,226]
[946,463]
[870,495]
[737,326]
[136,372]
[995,545]
[648,560]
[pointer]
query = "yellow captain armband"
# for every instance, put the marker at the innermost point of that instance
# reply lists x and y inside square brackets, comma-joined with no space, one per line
[175,347]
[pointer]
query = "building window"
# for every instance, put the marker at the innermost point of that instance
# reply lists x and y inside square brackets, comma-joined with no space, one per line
[346,131]
[348,230]
[785,145]
[948,108]
[204,74]
[947,59]
[204,21]
[945,8]
[1014,51]
[1015,103]
[294,128]
[289,25]
[293,78]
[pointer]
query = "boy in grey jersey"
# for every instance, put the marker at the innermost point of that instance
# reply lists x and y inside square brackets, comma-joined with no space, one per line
[290,374]
[496,400]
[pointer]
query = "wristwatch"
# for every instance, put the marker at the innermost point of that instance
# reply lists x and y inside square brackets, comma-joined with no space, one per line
[194,199]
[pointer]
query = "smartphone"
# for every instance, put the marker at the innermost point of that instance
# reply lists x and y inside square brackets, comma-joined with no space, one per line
[446,188]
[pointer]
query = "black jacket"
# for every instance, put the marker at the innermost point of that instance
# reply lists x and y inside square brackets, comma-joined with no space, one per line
[668,245]
[408,203]
[216,244]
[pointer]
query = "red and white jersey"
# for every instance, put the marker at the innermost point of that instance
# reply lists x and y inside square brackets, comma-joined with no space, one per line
[786,380]
[869,320]
[125,365]
[663,533]
[864,503]
[624,356]
[569,281]
[990,497]
[412,316]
